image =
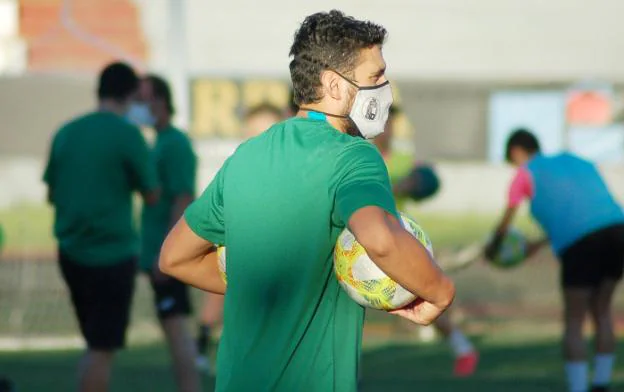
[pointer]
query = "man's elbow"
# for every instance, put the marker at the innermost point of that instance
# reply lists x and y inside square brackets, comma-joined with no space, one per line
[166,262]
[379,244]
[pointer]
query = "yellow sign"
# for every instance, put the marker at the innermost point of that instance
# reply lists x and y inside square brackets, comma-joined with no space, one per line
[218,105]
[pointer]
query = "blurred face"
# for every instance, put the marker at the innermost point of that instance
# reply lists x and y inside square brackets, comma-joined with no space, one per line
[157,106]
[260,122]
[518,156]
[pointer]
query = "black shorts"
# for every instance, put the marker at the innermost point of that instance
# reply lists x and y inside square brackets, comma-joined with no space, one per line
[171,297]
[597,257]
[101,297]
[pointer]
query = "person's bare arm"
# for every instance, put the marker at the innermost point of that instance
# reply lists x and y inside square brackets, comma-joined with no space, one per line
[191,259]
[404,259]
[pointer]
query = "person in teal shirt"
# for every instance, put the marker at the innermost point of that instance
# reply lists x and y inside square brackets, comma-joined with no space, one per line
[96,162]
[176,165]
[279,203]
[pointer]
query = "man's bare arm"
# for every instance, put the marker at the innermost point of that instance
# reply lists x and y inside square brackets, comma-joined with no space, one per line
[401,256]
[191,259]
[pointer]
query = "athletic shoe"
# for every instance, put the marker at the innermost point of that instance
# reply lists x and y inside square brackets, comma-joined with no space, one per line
[465,365]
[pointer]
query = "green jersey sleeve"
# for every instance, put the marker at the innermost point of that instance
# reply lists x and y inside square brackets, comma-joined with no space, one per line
[363,181]
[141,168]
[180,168]
[205,215]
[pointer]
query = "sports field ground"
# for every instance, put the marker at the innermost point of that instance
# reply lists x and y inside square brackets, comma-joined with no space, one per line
[512,316]
[509,364]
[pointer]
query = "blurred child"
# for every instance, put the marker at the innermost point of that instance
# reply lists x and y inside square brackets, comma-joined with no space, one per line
[585,226]
[418,181]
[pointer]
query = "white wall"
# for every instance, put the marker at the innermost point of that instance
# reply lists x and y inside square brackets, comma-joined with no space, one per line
[486,40]
[12,48]
[466,187]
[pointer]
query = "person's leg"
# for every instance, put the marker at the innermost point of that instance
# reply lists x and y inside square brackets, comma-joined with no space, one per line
[604,358]
[183,353]
[173,306]
[95,366]
[466,357]
[94,371]
[107,301]
[576,304]
[211,317]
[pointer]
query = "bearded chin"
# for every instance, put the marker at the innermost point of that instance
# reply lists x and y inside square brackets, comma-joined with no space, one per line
[350,128]
[348,125]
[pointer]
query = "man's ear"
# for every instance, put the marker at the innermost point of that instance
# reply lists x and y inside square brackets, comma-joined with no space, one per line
[330,82]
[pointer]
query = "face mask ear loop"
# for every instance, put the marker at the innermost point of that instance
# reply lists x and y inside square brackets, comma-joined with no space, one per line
[351,82]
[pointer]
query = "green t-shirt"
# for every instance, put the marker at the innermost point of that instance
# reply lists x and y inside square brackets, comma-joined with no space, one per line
[399,165]
[96,162]
[278,204]
[176,166]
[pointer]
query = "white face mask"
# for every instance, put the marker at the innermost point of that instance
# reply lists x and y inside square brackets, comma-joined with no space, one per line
[371,108]
[140,115]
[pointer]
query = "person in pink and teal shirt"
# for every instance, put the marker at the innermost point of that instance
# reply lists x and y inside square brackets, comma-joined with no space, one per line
[585,227]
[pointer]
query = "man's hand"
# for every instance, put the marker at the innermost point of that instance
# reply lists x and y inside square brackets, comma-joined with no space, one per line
[420,312]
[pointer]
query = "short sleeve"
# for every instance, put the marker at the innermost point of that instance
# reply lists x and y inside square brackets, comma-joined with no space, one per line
[136,155]
[362,181]
[180,168]
[521,188]
[205,215]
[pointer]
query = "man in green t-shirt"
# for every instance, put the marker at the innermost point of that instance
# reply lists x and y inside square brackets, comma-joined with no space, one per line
[416,181]
[279,203]
[176,166]
[97,161]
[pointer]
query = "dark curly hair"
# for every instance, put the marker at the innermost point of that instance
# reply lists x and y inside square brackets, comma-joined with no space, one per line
[328,40]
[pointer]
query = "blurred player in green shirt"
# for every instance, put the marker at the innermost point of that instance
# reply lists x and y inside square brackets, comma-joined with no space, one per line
[97,161]
[279,203]
[417,181]
[175,162]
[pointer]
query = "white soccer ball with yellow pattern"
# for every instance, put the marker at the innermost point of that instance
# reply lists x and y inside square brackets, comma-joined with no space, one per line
[221,262]
[363,281]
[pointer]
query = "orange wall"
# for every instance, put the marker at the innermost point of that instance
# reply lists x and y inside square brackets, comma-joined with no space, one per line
[53,48]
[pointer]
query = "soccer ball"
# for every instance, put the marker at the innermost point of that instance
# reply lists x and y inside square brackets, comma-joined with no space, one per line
[360,277]
[221,263]
[512,251]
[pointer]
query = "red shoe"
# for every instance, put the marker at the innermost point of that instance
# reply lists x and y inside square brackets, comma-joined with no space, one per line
[465,365]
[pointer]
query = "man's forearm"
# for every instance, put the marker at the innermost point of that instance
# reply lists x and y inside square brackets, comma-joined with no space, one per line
[201,272]
[191,259]
[410,265]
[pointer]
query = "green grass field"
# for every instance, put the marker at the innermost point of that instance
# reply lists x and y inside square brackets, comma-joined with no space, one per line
[28,227]
[512,316]
[508,364]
